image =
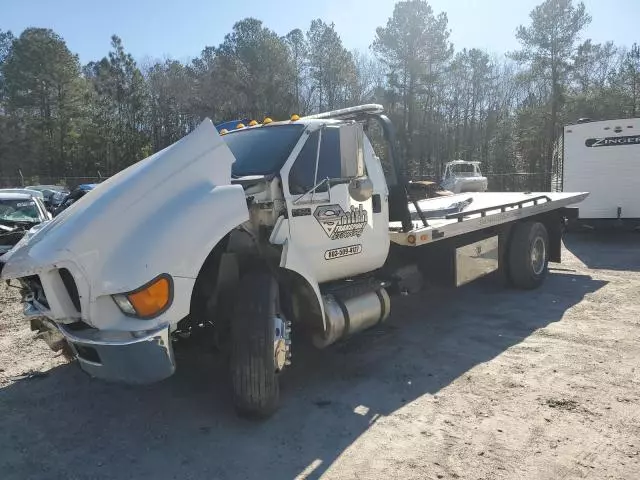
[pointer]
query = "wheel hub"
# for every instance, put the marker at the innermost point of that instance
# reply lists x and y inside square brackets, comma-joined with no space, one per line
[538,255]
[282,343]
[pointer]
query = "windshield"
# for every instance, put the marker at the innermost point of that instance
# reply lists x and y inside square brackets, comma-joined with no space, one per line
[261,151]
[19,210]
[464,170]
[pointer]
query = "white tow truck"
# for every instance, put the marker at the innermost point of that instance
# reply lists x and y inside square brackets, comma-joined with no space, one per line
[252,234]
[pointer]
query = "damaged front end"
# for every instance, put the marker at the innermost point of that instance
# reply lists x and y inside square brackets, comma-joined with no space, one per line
[88,277]
[35,308]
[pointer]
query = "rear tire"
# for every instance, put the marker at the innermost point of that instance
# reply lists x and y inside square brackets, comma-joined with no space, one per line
[254,379]
[528,258]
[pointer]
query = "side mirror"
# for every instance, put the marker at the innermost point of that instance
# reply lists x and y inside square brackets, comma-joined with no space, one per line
[352,150]
[361,189]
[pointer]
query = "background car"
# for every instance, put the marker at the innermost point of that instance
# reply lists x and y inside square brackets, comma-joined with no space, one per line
[19,212]
[53,194]
[26,191]
[75,195]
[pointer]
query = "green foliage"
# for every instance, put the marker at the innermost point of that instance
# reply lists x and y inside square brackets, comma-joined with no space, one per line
[118,127]
[255,71]
[43,97]
[58,119]
[549,49]
[331,66]
[415,48]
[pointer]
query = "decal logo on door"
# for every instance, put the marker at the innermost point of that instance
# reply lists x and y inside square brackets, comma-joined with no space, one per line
[342,252]
[338,224]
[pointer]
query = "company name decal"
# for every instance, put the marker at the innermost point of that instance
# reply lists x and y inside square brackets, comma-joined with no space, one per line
[613,141]
[338,224]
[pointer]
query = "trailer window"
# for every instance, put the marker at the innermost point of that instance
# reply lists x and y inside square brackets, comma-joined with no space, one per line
[262,151]
[302,175]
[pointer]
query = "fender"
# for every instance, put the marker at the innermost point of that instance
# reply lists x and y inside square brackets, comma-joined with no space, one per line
[292,259]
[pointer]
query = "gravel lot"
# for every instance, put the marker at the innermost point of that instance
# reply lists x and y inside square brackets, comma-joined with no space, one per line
[478,383]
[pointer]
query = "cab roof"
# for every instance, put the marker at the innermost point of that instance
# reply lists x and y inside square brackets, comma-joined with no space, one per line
[334,117]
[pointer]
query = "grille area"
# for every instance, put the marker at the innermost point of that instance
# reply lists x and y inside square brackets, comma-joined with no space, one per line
[72,288]
[32,288]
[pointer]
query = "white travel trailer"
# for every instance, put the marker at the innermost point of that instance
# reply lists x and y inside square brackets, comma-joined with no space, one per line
[603,158]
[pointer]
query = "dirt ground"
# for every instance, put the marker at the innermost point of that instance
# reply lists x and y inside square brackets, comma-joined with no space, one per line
[478,383]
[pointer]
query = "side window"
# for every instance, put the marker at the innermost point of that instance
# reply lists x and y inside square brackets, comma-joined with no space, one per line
[302,174]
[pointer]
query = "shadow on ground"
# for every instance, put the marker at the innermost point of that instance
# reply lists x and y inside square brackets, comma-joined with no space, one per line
[67,425]
[605,249]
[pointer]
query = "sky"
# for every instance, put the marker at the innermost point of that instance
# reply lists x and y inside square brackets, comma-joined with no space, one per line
[180,29]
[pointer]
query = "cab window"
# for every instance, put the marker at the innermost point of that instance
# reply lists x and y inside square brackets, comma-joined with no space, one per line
[302,176]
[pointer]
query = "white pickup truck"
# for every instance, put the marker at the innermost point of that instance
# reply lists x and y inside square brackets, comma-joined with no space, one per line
[283,225]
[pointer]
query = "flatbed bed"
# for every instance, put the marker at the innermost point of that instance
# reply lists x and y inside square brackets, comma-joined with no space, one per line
[478,211]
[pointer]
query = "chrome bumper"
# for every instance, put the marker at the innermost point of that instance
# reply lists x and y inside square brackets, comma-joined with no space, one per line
[131,357]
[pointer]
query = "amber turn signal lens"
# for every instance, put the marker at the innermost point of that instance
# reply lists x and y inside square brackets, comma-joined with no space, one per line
[152,299]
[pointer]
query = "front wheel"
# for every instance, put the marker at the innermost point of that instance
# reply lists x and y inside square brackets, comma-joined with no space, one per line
[528,255]
[259,346]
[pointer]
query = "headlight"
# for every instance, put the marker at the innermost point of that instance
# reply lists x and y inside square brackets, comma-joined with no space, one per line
[148,301]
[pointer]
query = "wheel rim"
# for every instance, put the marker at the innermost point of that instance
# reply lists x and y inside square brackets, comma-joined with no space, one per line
[538,255]
[281,343]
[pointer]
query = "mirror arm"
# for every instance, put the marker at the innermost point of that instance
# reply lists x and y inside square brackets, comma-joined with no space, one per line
[311,190]
[340,181]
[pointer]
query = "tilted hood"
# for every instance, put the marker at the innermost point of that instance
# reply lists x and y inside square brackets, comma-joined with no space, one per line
[158,201]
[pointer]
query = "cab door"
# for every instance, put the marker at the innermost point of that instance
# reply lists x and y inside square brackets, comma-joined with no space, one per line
[338,218]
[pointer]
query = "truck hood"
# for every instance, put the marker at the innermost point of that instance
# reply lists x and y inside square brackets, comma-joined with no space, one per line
[126,211]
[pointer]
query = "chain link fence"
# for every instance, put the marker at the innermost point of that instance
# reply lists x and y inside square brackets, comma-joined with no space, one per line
[518,182]
[511,182]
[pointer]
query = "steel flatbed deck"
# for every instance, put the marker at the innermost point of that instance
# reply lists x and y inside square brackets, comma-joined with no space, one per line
[464,213]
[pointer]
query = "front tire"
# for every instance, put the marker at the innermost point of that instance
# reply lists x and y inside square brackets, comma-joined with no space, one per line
[528,258]
[256,392]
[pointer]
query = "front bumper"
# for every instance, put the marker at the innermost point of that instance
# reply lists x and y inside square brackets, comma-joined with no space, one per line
[130,357]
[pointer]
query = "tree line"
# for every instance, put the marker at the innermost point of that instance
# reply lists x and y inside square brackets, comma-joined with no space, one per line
[61,119]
